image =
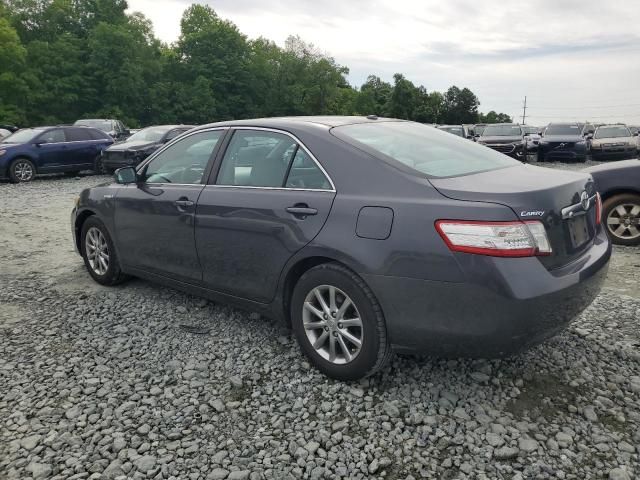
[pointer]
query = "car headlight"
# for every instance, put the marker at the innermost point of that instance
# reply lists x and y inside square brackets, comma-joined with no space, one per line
[2,152]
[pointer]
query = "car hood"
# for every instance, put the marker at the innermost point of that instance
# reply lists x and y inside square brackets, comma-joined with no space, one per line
[501,139]
[139,145]
[621,166]
[625,140]
[562,138]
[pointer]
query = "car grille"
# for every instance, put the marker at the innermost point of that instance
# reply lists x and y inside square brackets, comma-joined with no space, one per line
[561,145]
[503,147]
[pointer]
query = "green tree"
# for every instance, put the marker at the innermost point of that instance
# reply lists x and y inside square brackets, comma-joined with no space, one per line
[460,106]
[493,117]
[13,89]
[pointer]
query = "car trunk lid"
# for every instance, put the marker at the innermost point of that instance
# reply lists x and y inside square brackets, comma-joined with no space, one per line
[535,193]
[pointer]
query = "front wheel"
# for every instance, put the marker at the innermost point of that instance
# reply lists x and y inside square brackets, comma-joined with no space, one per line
[99,254]
[622,216]
[339,323]
[22,170]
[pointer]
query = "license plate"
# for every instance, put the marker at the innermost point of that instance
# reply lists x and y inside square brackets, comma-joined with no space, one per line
[578,230]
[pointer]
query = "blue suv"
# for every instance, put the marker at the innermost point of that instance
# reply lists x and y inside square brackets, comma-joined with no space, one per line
[32,151]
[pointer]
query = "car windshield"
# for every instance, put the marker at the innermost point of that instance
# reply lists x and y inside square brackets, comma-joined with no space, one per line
[104,125]
[23,136]
[151,134]
[563,129]
[612,132]
[455,130]
[424,149]
[502,131]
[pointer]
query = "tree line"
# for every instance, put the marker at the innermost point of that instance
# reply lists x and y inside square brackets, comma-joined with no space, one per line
[61,60]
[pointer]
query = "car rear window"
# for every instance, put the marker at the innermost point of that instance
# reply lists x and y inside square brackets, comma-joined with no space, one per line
[612,132]
[424,149]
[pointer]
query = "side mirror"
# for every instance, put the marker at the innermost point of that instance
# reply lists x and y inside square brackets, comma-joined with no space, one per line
[126,175]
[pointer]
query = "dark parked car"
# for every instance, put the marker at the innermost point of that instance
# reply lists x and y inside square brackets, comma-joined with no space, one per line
[367,236]
[613,141]
[459,130]
[11,128]
[619,186]
[140,145]
[32,151]
[507,138]
[565,141]
[114,128]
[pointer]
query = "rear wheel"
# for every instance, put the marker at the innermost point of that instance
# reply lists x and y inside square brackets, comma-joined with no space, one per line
[22,170]
[339,323]
[622,217]
[99,254]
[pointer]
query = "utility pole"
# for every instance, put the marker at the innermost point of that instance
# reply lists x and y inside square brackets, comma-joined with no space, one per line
[524,110]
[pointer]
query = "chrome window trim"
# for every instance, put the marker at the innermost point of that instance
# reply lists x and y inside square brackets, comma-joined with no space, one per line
[301,145]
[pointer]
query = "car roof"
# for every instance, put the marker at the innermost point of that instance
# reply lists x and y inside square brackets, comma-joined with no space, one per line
[302,123]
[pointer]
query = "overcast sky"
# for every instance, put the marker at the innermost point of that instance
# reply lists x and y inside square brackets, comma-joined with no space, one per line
[574,60]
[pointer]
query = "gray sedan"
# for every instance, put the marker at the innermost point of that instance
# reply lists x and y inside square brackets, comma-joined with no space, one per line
[365,235]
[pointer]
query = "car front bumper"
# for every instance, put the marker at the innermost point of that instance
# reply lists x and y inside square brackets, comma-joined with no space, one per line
[508,304]
[614,151]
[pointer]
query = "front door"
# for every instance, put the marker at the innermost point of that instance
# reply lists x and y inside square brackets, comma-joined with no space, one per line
[269,200]
[52,150]
[154,219]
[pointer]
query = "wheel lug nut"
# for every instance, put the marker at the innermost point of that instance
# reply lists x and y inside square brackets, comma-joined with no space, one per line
[335,334]
[326,329]
[325,316]
[339,325]
[333,314]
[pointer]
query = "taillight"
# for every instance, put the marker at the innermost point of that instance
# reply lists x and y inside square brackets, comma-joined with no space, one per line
[598,209]
[498,239]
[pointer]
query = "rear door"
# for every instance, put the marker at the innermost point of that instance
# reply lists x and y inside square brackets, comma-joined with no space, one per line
[270,198]
[154,219]
[81,149]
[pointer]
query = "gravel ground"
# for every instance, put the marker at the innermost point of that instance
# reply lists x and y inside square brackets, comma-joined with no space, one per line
[103,383]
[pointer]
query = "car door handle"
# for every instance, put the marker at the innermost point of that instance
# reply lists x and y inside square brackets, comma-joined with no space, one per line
[302,210]
[183,203]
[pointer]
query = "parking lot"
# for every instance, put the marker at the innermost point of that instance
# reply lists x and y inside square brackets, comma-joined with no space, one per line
[105,383]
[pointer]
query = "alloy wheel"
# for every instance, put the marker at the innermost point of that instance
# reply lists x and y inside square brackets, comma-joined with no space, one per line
[23,171]
[623,221]
[97,251]
[332,324]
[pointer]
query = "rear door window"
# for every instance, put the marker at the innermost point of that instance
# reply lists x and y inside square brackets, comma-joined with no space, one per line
[78,134]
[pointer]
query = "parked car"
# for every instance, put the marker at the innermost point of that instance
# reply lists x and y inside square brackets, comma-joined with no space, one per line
[610,141]
[11,128]
[531,137]
[635,130]
[619,186]
[367,236]
[140,145]
[459,130]
[32,151]
[507,138]
[114,128]
[564,141]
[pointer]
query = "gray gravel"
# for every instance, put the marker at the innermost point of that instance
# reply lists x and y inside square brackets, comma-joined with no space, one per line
[103,383]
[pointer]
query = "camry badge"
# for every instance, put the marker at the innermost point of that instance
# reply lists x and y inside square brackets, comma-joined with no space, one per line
[532,213]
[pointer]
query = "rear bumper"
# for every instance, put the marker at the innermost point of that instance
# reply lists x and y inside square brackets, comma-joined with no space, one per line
[505,306]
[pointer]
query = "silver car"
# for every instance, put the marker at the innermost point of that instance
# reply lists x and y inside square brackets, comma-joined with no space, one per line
[613,141]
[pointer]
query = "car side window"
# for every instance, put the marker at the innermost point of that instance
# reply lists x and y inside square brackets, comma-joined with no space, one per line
[257,159]
[77,134]
[184,161]
[305,173]
[55,135]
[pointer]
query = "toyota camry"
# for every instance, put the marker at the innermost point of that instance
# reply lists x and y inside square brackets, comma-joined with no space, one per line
[366,235]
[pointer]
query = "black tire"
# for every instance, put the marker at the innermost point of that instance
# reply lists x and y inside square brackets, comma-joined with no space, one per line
[375,350]
[19,170]
[99,168]
[625,199]
[113,274]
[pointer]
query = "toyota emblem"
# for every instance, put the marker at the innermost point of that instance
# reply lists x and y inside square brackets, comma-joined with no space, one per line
[584,200]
